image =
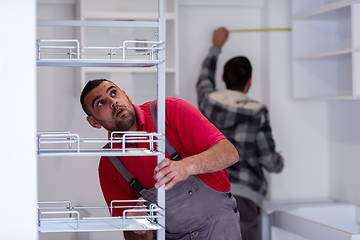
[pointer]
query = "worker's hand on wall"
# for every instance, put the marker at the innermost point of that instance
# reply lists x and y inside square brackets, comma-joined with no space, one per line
[220,36]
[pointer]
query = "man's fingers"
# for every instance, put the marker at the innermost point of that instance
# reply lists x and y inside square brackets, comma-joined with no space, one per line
[141,213]
[170,173]
[162,169]
[164,180]
[141,203]
[170,184]
[140,232]
[161,173]
[164,163]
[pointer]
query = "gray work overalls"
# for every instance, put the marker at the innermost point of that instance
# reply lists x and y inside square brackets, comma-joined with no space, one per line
[193,210]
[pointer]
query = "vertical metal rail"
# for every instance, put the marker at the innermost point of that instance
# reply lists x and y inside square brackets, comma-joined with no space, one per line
[161,108]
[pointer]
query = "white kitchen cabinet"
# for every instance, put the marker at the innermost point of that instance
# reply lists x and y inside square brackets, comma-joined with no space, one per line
[61,216]
[312,219]
[137,10]
[326,49]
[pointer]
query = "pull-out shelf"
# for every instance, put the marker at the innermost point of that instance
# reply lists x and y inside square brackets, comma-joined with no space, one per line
[69,144]
[69,53]
[97,63]
[97,224]
[68,219]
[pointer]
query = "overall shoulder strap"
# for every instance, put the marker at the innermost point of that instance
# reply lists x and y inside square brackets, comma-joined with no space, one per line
[171,150]
[133,183]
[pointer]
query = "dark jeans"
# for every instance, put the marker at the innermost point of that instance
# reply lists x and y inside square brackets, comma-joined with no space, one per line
[249,212]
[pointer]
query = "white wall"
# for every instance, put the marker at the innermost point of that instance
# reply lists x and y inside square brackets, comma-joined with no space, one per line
[344,151]
[318,139]
[196,26]
[18,120]
[300,127]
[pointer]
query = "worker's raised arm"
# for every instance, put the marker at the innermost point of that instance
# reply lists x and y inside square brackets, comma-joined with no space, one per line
[206,80]
[219,156]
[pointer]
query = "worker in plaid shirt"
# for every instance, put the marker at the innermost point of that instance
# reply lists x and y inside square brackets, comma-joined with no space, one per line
[245,123]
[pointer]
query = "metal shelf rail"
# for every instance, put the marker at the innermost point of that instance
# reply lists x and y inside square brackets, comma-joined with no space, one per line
[68,219]
[68,52]
[69,144]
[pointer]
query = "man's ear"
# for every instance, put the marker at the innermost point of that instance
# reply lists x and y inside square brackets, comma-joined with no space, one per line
[249,81]
[93,122]
[248,85]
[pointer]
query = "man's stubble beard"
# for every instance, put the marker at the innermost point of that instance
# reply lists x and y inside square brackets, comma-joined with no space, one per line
[125,124]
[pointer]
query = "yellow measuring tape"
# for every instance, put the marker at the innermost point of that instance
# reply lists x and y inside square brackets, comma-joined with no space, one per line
[261,30]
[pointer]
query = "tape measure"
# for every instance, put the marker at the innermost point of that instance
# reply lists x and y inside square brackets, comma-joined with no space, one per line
[260,30]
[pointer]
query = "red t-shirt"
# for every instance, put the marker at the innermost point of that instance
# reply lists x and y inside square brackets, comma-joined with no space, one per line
[187,130]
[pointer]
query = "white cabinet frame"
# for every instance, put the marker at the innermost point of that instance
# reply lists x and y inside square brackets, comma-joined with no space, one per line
[160,24]
[326,49]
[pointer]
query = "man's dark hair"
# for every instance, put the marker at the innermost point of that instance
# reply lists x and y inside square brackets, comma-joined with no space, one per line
[237,72]
[88,87]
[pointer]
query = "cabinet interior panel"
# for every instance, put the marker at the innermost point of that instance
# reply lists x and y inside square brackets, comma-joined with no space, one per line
[141,87]
[356,71]
[114,37]
[171,44]
[323,33]
[324,77]
[55,11]
[127,6]
[356,25]
[306,5]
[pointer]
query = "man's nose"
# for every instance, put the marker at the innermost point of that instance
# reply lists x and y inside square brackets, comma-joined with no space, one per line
[113,102]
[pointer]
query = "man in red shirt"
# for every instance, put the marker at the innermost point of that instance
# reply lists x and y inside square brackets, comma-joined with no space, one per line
[200,175]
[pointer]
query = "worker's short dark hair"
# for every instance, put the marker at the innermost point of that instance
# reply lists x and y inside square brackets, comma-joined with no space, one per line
[88,87]
[237,72]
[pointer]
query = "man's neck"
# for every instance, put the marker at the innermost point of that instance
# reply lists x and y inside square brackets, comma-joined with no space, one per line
[242,91]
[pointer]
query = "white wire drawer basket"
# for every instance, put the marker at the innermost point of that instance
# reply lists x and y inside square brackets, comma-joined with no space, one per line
[61,216]
[68,52]
[66,143]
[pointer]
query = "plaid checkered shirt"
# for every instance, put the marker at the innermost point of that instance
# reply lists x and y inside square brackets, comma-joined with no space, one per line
[245,123]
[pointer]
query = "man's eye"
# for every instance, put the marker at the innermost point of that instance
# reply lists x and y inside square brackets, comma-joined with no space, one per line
[113,93]
[99,103]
